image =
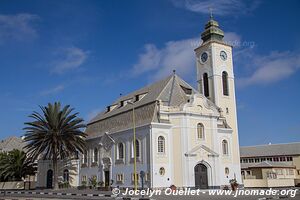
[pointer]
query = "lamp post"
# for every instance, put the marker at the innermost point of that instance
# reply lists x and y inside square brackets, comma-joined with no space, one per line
[134,146]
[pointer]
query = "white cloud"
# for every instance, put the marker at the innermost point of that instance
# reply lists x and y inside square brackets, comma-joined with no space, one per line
[224,7]
[54,90]
[272,68]
[18,27]
[178,55]
[69,59]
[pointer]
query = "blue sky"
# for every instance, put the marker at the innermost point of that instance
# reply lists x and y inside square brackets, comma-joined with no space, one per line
[85,53]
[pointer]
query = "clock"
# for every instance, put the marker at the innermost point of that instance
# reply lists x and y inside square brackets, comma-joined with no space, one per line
[204,57]
[223,55]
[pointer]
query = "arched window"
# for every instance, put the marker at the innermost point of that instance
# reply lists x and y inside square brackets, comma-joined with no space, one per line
[120,151]
[200,131]
[66,175]
[137,147]
[225,147]
[161,144]
[95,155]
[225,83]
[205,85]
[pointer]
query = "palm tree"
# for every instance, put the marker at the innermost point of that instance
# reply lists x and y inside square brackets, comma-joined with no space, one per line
[14,165]
[55,134]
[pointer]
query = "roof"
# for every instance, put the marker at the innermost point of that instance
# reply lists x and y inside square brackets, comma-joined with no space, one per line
[171,91]
[271,150]
[11,143]
[267,164]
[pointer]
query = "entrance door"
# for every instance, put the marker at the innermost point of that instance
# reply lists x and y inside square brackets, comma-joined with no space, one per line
[106,178]
[201,178]
[49,178]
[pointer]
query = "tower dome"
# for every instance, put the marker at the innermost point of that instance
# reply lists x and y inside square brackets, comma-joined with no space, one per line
[212,31]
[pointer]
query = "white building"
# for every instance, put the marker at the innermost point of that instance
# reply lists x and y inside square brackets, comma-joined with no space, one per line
[185,137]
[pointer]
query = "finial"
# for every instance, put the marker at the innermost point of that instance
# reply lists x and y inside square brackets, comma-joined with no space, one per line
[211,13]
[174,71]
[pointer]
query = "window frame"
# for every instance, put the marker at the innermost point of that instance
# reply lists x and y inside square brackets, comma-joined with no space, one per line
[225,151]
[225,83]
[161,145]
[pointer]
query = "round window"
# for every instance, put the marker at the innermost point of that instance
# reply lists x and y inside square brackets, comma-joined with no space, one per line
[162,171]
[226,170]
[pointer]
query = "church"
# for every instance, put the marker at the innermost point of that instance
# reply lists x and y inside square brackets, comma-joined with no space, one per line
[185,137]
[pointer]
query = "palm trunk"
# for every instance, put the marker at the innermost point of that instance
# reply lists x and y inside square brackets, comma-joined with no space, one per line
[55,180]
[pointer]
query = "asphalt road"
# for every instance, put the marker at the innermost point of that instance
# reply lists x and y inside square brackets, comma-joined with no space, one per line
[201,195]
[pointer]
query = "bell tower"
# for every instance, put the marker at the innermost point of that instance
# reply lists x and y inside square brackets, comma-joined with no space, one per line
[215,75]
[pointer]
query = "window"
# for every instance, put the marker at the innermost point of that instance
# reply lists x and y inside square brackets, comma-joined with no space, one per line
[161,144]
[251,160]
[137,177]
[120,178]
[162,171]
[200,131]
[263,159]
[83,178]
[245,160]
[66,175]
[290,172]
[205,85]
[186,90]
[298,172]
[225,147]
[95,158]
[276,159]
[225,83]
[270,159]
[289,159]
[282,159]
[249,173]
[120,151]
[226,171]
[271,175]
[137,149]
[279,172]
[84,157]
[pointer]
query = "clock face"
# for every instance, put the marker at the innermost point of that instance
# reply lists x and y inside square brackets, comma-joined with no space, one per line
[223,55]
[204,57]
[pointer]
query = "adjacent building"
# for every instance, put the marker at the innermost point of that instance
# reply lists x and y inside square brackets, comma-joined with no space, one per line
[273,165]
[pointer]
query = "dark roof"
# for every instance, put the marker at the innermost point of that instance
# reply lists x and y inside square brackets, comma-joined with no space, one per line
[267,164]
[171,91]
[271,150]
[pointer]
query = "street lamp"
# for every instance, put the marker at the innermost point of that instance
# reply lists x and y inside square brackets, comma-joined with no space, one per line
[134,146]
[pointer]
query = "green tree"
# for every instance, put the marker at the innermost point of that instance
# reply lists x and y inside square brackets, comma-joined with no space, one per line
[55,134]
[14,165]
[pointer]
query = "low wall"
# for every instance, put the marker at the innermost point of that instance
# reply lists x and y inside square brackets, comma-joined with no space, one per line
[268,183]
[255,183]
[12,185]
[281,183]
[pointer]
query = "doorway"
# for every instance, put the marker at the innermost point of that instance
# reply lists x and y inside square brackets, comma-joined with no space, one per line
[49,178]
[201,177]
[106,179]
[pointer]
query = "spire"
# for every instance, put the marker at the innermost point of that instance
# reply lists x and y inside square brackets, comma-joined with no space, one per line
[212,30]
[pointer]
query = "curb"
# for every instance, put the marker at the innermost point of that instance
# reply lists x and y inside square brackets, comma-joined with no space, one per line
[4,193]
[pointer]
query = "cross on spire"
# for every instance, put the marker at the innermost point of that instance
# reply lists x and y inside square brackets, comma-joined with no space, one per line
[211,12]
